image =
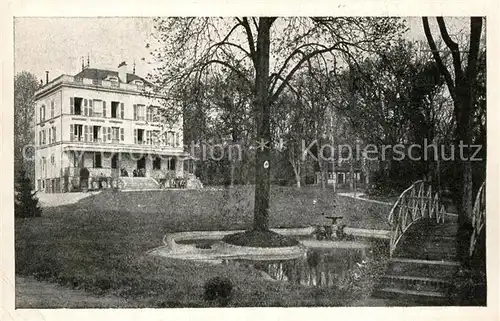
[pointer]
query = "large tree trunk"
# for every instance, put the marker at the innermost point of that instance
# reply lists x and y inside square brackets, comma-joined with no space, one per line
[464,167]
[463,99]
[262,113]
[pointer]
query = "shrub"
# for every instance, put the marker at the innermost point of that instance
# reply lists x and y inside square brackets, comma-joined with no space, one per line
[26,202]
[218,289]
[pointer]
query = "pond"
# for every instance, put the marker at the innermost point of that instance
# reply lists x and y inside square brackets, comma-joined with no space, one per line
[322,263]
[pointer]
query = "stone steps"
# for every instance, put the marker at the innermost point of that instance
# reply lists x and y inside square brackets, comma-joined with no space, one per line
[139,183]
[412,297]
[422,267]
[414,283]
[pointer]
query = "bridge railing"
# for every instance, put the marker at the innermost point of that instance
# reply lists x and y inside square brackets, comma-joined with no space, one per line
[478,217]
[415,203]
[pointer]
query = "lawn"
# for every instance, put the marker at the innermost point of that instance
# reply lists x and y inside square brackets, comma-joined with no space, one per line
[98,245]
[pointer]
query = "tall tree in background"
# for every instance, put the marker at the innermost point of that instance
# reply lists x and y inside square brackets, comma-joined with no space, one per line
[25,85]
[392,98]
[461,86]
[194,47]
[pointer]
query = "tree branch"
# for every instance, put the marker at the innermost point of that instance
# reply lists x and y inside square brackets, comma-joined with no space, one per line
[304,59]
[455,53]
[437,58]
[227,43]
[476,24]
[251,44]
[234,69]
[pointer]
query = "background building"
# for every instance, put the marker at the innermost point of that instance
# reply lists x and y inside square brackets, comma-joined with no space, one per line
[100,124]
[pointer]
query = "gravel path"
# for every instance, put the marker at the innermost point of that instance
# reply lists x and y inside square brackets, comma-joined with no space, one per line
[31,293]
[359,196]
[58,199]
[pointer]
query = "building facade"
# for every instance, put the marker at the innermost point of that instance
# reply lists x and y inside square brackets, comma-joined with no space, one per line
[101,124]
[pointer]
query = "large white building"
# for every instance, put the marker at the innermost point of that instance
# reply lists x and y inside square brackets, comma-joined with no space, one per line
[100,124]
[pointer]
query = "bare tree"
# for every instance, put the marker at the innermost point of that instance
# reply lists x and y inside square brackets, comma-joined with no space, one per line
[461,86]
[273,50]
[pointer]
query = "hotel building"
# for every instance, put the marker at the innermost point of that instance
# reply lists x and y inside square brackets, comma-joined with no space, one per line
[99,128]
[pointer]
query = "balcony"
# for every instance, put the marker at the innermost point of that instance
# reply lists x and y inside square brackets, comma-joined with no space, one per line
[101,83]
[93,172]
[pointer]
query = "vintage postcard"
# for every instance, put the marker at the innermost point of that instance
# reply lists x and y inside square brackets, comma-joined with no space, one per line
[180,164]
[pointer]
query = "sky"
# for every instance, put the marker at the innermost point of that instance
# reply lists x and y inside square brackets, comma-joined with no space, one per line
[58,44]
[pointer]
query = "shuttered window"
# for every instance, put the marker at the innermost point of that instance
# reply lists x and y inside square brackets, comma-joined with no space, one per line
[86,133]
[72,105]
[122,111]
[103,109]
[122,134]
[91,133]
[91,110]
[85,107]
[71,132]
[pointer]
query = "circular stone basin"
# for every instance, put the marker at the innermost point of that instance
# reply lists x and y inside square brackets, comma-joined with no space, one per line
[230,251]
[203,244]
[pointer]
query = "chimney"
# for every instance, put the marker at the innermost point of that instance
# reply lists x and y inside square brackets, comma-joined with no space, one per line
[46,77]
[122,72]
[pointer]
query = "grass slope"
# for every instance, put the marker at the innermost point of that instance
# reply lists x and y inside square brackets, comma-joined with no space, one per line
[98,245]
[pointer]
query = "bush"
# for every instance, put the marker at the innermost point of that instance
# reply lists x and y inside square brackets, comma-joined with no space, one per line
[218,289]
[26,202]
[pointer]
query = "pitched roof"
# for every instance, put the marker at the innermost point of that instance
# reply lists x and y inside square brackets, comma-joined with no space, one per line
[94,73]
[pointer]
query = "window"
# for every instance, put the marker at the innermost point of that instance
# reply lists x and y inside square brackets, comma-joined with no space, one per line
[98,110]
[52,159]
[44,137]
[97,160]
[149,114]
[157,163]
[148,137]
[96,133]
[114,81]
[115,106]
[171,136]
[76,105]
[52,109]
[171,164]
[50,135]
[40,141]
[115,131]
[54,134]
[44,166]
[42,113]
[114,161]
[340,178]
[76,132]
[139,136]
[139,112]
[177,140]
